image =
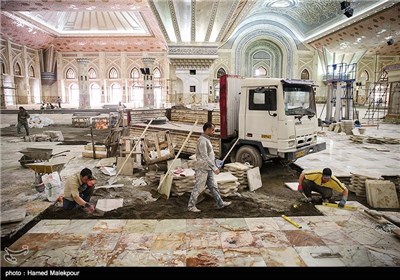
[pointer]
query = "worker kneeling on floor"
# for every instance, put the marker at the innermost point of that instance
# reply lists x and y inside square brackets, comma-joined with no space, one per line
[322,182]
[78,190]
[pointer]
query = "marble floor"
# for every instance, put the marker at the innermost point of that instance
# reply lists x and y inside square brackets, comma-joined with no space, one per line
[345,157]
[338,238]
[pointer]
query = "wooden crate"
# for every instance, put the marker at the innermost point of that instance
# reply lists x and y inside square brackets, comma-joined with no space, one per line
[157,147]
[80,121]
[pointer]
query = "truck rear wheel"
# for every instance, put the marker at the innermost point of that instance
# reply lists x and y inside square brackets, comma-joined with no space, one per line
[249,154]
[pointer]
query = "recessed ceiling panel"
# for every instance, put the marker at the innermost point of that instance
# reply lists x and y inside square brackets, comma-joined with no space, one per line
[183,11]
[163,11]
[83,23]
[223,12]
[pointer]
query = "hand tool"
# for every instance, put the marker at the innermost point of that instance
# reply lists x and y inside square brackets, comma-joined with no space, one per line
[347,207]
[292,222]
[220,163]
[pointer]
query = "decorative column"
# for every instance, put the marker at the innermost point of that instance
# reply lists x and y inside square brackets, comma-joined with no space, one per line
[148,90]
[2,96]
[84,97]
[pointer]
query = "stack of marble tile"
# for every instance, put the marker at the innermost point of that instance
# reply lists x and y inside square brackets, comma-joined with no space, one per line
[183,181]
[239,170]
[153,177]
[357,184]
[381,194]
[383,140]
[357,138]
[227,184]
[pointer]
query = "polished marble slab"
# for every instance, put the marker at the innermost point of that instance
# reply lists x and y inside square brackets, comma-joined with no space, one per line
[170,258]
[282,257]
[205,257]
[203,240]
[267,239]
[261,224]
[355,240]
[244,257]
[303,238]
[232,224]
[171,225]
[141,226]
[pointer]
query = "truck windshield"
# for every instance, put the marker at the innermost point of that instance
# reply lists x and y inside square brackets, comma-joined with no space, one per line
[299,100]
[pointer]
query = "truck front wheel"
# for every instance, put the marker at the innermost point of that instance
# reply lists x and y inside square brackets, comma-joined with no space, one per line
[249,154]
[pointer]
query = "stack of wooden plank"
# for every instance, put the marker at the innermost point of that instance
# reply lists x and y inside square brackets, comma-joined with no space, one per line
[186,115]
[178,133]
[140,115]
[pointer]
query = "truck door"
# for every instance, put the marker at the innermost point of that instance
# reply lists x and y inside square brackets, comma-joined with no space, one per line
[261,115]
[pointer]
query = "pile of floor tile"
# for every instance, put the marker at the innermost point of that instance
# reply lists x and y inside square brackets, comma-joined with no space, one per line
[227,184]
[382,140]
[183,181]
[357,183]
[381,194]
[153,177]
[357,138]
[239,170]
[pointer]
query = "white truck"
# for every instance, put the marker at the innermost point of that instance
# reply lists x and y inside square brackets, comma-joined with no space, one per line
[273,119]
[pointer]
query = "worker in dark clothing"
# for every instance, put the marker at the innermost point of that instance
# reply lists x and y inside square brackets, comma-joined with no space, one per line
[23,117]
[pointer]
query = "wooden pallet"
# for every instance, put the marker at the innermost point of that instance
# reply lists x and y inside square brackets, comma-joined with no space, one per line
[154,144]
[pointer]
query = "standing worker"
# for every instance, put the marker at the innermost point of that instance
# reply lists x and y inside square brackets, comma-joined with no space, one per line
[322,182]
[205,169]
[121,110]
[78,190]
[23,117]
[59,102]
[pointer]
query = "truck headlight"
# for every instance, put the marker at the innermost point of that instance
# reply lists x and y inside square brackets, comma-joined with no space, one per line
[291,143]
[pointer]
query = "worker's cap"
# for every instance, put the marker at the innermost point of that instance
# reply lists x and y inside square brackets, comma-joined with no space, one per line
[327,173]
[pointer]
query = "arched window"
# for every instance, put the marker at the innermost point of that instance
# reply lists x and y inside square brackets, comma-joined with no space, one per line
[31,72]
[92,73]
[135,73]
[305,75]
[156,73]
[113,74]
[260,71]
[70,74]
[365,75]
[221,71]
[17,69]
[3,68]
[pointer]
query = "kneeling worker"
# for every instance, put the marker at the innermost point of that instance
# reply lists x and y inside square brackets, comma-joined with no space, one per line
[322,182]
[78,189]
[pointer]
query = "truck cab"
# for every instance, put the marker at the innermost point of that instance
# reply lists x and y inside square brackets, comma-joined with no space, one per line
[274,119]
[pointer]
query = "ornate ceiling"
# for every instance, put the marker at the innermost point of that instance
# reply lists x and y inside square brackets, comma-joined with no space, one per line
[157,25]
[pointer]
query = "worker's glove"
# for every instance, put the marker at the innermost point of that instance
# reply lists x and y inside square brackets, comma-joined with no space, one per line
[342,203]
[89,208]
[300,188]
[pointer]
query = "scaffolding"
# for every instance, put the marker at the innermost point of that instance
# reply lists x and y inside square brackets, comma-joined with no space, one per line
[378,98]
[340,78]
